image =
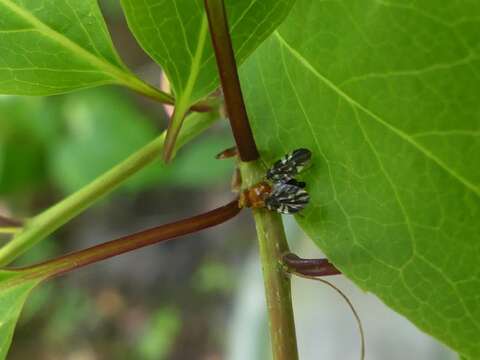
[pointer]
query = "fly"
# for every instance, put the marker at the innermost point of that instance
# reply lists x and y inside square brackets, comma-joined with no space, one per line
[289,166]
[281,192]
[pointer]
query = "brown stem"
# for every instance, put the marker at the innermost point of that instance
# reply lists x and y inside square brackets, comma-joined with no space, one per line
[309,267]
[270,232]
[135,241]
[227,68]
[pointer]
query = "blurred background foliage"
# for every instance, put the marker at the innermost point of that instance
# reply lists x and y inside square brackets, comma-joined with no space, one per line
[56,139]
[50,147]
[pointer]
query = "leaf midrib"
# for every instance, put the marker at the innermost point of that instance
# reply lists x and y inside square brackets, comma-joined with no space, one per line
[196,60]
[184,99]
[427,153]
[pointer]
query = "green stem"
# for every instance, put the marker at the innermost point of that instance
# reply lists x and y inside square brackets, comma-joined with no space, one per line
[271,237]
[184,100]
[50,220]
[273,245]
[134,83]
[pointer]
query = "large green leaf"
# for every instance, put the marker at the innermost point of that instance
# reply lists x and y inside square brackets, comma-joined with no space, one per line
[386,96]
[53,46]
[13,294]
[171,32]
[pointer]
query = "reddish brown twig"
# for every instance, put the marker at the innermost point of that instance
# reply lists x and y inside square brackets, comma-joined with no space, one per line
[132,242]
[309,267]
[227,68]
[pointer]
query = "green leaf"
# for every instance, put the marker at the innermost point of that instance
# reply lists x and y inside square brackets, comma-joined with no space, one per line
[54,46]
[385,94]
[174,33]
[13,293]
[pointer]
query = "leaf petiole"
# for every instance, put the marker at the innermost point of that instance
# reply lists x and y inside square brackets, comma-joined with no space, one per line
[182,104]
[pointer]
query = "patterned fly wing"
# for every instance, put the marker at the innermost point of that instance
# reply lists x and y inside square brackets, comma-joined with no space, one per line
[287,198]
[300,184]
[288,166]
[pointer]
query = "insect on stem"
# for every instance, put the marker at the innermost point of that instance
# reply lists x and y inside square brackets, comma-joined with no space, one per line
[280,191]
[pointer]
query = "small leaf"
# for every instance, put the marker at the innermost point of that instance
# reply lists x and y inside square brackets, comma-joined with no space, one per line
[385,94]
[55,46]
[13,293]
